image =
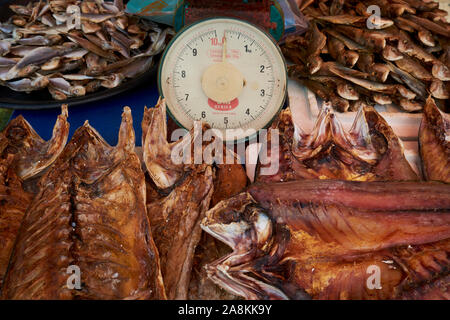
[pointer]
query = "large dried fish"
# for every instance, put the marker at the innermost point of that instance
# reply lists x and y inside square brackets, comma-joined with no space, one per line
[90,213]
[174,219]
[175,222]
[23,155]
[322,239]
[434,143]
[370,151]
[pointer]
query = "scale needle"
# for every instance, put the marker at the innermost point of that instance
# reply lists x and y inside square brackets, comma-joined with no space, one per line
[224,48]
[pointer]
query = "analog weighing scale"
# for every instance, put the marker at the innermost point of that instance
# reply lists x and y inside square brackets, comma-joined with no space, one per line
[226,72]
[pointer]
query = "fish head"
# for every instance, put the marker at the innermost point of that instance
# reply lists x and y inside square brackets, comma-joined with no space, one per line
[240,224]
[253,269]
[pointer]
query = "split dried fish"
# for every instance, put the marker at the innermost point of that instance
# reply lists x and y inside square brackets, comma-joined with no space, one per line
[39,41]
[23,156]
[434,143]
[316,239]
[175,218]
[90,212]
[369,151]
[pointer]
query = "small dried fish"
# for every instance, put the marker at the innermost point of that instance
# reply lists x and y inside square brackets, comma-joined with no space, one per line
[430,25]
[342,19]
[415,85]
[92,47]
[28,85]
[316,44]
[7,62]
[439,89]
[424,35]
[337,50]
[35,57]
[63,86]
[413,67]
[391,53]
[137,67]
[112,81]
[440,71]
[21,51]
[98,18]
[38,42]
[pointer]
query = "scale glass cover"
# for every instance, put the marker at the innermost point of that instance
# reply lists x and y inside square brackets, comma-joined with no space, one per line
[225,72]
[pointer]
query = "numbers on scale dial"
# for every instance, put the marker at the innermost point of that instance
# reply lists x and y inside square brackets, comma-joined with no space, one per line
[242,50]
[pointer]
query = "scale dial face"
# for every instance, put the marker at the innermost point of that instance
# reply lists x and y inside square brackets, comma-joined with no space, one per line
[225,72]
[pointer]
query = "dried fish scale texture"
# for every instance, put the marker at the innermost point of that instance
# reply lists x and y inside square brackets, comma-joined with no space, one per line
[318,239]
[23,155]
[434,142]
[401,56]
[90,212]
[370,151]
[175,218]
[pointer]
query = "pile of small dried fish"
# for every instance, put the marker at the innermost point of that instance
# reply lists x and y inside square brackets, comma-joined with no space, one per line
[348,57]
[42,46]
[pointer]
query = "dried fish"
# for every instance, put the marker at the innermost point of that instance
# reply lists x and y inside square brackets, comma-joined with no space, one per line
[86,44]
[424,35]
[415,85]
[28,85]
[401,57]
[434,142]
[309,239]
[136,67]
[439,89]
[391,53]
[24,155]
[174,219]
[337,51]
[92,200]
[38,40]
[112,80]
[5,47]
[32,59]
[430,25]
[7,62]
[413,67]
[316,44]
[63,86]
[369,151]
